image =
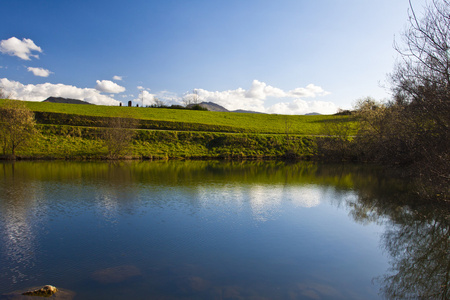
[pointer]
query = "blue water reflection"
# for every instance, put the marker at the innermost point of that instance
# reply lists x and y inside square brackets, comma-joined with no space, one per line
[186,230]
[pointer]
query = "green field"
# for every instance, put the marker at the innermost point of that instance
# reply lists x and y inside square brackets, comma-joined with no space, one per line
[74,131]
[241,122]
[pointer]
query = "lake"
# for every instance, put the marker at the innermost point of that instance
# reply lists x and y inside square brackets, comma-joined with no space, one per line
[218,230]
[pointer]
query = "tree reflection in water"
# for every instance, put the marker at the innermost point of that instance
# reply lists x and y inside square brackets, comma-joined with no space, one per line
[417,239]
[419,246]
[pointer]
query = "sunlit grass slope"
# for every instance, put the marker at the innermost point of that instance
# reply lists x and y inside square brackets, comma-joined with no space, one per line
[255,123]
[75,142]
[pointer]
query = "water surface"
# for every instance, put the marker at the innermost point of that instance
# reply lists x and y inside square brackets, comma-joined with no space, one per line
[217,230]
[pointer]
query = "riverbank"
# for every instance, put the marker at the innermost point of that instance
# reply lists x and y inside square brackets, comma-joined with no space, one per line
[86,143]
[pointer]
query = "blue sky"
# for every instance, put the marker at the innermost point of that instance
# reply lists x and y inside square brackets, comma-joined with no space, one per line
[286,56]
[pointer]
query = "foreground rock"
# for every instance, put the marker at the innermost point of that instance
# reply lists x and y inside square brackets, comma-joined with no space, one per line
[47,291]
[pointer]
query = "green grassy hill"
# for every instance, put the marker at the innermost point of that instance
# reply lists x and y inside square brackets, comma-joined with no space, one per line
[71,131]
[231,122]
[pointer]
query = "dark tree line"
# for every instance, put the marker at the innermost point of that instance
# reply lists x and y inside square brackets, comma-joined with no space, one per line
[421,85]
[412,129]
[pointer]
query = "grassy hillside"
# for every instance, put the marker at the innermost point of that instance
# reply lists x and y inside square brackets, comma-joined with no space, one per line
[71,131]
[241,122]
[74,142]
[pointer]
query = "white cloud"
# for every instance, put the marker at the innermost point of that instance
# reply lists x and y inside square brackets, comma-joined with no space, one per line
[261,90]
[256,97]
[108,86]
[301,107]
[141,88]
[20,48]
[310,91]
[40,92]
[40,72]
[260,97]
[145,98]
[169,98]
[117,78]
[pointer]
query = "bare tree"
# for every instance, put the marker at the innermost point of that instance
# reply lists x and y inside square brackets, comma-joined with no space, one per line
[158,103]
[371,115]
[422,78]
[17,126]
[425,50]
[118,136]
[421,85]
[191,99]
[195,97]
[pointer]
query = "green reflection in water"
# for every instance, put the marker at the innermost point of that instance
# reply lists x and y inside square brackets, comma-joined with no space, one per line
[190,172]
[416,238]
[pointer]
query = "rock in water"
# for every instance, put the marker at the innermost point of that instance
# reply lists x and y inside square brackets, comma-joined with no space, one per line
[45,291]
[62,294]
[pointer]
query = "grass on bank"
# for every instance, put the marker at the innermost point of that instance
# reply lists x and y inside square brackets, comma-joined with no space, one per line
[73,142]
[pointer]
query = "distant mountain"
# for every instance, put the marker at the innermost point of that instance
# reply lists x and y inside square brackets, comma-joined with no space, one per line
[211,106]
[313,114]
[64,100]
